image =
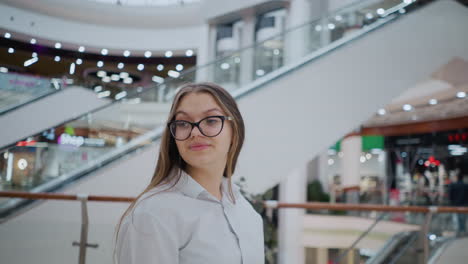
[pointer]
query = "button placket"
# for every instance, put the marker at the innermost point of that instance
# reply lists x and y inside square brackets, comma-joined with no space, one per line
[231,228]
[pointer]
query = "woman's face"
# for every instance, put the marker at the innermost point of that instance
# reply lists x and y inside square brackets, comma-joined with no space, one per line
[200,151]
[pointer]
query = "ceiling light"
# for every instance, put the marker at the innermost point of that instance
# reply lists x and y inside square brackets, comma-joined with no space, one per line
[101,74]
[461,94]
[81,49]
[104,52]
[103,94]
[124,75]
[33,41]
[407,107]
[7,35]
[120,95]
[3,69]
[237,60]
[168,54]
[126,53]
[380,11]
[11,50]
[120,65]
[147,54]
[58,45]
[34,54]
[381,111]
[408,1]
[57,58]
[433,101]
[189,53]
[331,26]
[173,74]
[79,61]
[402,11]
[160,67]
[106,79]
[128,80]
[260,72]
[369,16]
[72,68]
[158,79]
[225,66]
[140,67]
[98,88]
[100,64]
[179,67]
[30,61]
[338,18]
[115,77]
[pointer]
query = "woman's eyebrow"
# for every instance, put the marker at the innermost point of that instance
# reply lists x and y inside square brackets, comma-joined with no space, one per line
[207,111]
[213,109]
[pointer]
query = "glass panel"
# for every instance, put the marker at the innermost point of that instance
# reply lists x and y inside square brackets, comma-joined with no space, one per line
[18,89]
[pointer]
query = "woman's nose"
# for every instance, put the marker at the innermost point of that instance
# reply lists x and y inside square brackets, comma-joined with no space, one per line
[196,132]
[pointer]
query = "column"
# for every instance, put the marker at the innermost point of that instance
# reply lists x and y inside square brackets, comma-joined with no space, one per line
[247,55]
[290,227]
[206,53]
[351,147]
[300,14]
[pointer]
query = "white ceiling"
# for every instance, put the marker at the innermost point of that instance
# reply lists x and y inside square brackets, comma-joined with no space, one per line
[443,86]
[99,13]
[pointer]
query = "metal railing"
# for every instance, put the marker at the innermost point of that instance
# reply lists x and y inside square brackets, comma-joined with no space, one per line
[269,205]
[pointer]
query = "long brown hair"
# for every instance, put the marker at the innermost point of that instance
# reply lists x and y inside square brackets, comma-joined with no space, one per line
[169,157]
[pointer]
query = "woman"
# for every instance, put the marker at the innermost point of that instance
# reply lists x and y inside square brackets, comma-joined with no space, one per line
[191,212]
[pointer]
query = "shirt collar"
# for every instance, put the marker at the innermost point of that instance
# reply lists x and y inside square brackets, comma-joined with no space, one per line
[190,187]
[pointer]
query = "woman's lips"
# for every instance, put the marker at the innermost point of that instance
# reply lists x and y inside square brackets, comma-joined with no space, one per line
[197,147]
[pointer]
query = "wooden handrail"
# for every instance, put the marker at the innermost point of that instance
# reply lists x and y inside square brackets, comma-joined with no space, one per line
[374,207]
[69,197]
[311,205]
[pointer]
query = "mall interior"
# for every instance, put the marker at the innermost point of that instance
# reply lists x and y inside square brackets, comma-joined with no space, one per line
[355,110]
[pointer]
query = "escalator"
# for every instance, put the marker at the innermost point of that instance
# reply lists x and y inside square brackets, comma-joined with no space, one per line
[30,104]
[291,111]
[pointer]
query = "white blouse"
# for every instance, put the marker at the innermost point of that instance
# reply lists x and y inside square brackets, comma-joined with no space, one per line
[188,225]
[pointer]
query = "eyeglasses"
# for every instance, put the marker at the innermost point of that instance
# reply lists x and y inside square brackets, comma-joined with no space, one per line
[209,126]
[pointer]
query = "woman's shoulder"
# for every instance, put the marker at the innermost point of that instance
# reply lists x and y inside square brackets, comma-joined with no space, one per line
[157,199]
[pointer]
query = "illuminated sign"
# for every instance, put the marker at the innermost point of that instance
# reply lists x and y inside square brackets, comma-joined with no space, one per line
[79,141]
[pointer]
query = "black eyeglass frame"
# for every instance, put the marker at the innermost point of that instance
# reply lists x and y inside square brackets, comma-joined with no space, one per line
[197,124]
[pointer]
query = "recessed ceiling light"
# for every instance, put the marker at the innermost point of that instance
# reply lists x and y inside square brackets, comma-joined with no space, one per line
[11,50]
[433,101]
[189,53]
[7,35]
[100,64]
[126,53]
[79,61]
[407,107]
[147,54]
[179,67]
[461,94]
[120,65]
[160,67]
[58,45]
[173,74]
[168,54]
[81,49]
[33,41]
[57,58]
[381,111]
[104,52]
[140,67]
